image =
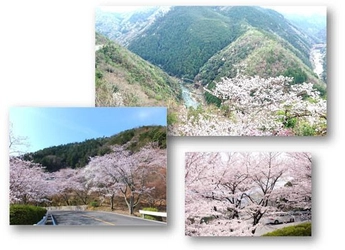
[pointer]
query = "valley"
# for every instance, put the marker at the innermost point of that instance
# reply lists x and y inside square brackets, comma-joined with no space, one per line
[181,56]
[188,98]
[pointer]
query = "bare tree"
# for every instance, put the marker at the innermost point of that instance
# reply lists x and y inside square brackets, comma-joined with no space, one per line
[17,144]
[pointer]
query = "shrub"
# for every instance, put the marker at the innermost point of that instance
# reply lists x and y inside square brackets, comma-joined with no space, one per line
[304,129]
[99,74]
[299,76]
[303,229]
[94,204]
[150,217]
[26,214]
[172,118]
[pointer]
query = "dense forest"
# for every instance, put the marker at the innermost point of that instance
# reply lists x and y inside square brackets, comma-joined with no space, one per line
[77,155]
[185,38]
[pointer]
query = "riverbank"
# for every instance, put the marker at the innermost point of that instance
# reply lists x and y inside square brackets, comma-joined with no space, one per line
[317,59]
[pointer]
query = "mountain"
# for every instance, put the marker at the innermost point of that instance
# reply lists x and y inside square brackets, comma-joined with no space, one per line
[272,22]
[202,44]
[185,38]
[182,40]
[193,42]
[77,155]
[123,78]
[313,25]
[123,27]
[257,52]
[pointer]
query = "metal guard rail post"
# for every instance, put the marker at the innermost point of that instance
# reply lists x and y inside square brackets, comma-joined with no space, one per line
[48,219]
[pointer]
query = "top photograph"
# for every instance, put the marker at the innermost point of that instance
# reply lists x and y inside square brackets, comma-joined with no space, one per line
[220,70]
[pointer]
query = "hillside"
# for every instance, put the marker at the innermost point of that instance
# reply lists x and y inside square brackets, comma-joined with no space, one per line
[123,27]
[257,52]
[184,39]
[274,23]
[77,155]
[124,79]
[181,41]
[261,52]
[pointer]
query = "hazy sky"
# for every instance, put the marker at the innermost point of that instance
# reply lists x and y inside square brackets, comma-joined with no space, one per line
[121,9]
[47,127]
[300,10]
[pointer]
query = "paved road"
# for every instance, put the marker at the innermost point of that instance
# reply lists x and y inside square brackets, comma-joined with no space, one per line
[96,218]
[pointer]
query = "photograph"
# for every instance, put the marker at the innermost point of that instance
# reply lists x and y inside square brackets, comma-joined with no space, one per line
[248,194]
[220,70]
[87,166]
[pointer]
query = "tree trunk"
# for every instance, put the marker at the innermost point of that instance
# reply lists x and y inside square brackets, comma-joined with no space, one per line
[112,202]
[131,205]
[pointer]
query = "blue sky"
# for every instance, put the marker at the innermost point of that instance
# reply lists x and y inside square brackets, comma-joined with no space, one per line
[54,126]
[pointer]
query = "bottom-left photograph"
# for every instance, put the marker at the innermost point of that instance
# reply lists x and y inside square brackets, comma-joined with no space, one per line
[87,166]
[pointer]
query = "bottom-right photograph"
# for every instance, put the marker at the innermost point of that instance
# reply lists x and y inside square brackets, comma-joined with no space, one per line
[248,194]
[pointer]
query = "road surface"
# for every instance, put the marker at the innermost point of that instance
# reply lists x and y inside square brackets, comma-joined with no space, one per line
[97,218]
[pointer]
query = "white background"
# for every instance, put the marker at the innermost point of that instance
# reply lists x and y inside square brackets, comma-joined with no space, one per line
[47,59]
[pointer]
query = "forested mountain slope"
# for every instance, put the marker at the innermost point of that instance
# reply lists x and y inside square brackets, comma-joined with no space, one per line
[124,79]
[77,155]
[183,40]
[123,27]
[257,52]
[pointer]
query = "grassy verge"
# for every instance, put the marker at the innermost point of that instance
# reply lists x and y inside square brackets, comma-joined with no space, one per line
[303,229]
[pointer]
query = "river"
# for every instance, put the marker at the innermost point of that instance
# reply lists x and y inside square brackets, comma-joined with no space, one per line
[187,97]
[316,58]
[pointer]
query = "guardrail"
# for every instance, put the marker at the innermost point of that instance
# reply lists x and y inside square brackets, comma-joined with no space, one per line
[74,208]
[159,214]
[48,219]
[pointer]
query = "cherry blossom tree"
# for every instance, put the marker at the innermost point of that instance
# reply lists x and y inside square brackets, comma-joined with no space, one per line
[228,194]
[158,196]
[101,175]
[273,99]
[62,180]
[81,186]
[211,209]
[29,183]
[257,106]
[268,173]
[70,183]
[136,179]
[299,187]
[125,173]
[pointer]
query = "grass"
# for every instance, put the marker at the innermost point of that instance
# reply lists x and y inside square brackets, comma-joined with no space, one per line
[303,229]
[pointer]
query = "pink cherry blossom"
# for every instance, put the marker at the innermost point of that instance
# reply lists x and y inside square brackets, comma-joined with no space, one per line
[255,107]
[229,194]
